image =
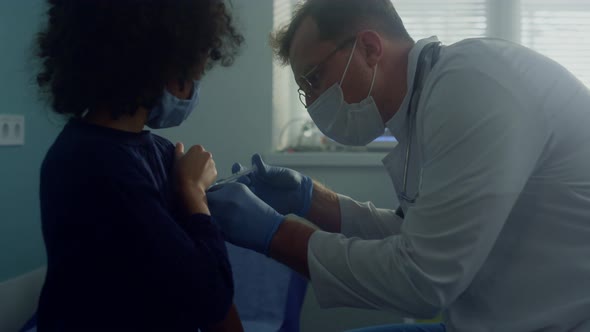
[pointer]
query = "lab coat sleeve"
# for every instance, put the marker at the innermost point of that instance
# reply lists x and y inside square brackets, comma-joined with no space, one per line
[480,146]
[365,221]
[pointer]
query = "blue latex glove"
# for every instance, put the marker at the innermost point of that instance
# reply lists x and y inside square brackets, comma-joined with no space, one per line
[245,220]
[285,190]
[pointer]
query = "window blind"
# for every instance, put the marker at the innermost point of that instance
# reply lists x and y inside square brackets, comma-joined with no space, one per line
[450,20]
[559,30]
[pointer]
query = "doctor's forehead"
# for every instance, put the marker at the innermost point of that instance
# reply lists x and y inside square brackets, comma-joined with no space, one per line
[306,48]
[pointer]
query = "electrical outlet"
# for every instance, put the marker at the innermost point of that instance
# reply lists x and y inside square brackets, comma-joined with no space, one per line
[12,130]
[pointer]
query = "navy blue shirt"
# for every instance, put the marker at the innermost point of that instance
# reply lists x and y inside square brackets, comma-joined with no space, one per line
[119,255]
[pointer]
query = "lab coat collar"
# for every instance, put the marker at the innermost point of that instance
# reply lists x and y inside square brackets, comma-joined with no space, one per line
[398,120]
[398,126]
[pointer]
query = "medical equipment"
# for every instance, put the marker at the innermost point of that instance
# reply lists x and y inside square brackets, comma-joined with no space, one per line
[355,124]
[236,176]
[171,111]
[412,108]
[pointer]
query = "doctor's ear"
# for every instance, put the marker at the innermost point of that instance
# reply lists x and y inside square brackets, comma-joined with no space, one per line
[371,46]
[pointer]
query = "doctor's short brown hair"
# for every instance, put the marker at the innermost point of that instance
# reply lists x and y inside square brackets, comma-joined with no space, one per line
[340,19]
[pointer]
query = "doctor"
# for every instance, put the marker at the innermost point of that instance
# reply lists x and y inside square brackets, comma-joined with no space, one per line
[492,173]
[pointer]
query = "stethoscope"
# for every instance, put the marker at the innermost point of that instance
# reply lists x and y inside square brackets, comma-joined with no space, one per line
[411,115]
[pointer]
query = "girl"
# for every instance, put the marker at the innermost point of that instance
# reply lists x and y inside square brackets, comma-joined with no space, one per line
[129,238]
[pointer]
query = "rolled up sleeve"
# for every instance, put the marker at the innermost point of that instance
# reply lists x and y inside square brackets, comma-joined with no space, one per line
[365,221]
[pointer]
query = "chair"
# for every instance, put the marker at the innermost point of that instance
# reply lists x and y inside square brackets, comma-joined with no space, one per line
[19,298]
[268,295]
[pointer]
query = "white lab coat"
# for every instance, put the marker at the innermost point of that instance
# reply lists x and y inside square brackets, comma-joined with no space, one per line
[499,238]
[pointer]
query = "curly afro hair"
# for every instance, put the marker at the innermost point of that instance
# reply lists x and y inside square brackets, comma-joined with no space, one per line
[119,54]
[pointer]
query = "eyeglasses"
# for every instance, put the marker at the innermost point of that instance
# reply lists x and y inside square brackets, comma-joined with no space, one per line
[308,83]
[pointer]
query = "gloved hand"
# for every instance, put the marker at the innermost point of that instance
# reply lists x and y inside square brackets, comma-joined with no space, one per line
[285,190]
[245,220]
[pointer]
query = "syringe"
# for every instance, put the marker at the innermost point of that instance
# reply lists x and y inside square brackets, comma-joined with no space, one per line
[235,177]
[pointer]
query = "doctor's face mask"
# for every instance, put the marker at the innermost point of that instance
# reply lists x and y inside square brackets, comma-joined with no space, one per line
[349,124]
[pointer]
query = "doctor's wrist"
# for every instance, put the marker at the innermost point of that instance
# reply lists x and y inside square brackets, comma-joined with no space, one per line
[324,209]
[289,245]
